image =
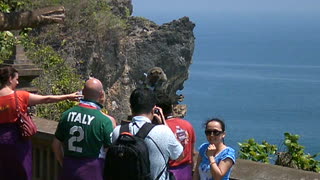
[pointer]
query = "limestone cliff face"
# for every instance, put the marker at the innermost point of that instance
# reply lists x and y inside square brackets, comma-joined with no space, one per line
[169,46]
[120,58]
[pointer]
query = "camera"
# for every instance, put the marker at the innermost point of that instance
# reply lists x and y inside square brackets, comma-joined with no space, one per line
[156,111]
[155,120]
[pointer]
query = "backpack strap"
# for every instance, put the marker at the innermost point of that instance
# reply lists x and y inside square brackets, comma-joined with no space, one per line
[144,130]
[167,163]
[124,128]
[142,133]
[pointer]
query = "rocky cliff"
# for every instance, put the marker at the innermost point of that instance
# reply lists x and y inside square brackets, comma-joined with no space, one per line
[120,49]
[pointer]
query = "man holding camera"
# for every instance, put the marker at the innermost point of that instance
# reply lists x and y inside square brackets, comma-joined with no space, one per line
[160,138]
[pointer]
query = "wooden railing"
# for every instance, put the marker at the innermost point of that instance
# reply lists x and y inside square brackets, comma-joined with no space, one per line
[45,167]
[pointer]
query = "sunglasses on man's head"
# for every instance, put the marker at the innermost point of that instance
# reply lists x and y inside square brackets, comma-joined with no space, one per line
[214,132]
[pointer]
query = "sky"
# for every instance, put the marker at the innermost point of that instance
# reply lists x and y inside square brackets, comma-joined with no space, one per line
[173,9]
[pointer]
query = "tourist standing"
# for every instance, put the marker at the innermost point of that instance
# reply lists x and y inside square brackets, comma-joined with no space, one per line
[185,134]
[161,142]
[82,135]
[215,159]
[16,152]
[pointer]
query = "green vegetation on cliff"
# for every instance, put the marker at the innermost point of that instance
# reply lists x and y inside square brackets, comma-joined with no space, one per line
[7,39]
[292,156]
[61,75]
[57,78]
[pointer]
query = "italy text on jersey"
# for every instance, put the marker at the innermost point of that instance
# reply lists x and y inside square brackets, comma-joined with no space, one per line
[79,117]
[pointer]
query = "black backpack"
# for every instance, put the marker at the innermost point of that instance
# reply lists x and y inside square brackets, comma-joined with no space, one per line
[128,157]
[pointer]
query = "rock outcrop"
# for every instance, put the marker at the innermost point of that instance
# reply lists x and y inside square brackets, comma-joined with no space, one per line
[169,46]
[120,55]
[121,8]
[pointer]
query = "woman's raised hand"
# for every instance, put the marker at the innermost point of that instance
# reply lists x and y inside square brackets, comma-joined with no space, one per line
[211,150]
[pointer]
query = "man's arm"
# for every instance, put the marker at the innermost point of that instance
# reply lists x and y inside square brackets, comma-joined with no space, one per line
[57,150]
[194,154]
[113,120]
[196,175]
[115,134]
[175,147]
[180,157]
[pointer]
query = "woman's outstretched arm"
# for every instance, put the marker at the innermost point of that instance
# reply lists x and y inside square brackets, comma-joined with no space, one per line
[35,99]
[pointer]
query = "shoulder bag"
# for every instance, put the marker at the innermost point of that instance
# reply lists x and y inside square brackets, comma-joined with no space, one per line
[26,125]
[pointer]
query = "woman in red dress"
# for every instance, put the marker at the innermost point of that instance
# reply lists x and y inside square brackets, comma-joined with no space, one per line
[15,152]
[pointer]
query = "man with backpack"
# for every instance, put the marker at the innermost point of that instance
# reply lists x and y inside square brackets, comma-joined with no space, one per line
[159,141]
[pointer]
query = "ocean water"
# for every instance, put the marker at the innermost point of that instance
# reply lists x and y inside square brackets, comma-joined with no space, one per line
[261,75]
[259,72]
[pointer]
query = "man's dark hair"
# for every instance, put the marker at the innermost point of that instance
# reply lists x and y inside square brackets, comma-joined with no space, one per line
[142,101]
[166,106]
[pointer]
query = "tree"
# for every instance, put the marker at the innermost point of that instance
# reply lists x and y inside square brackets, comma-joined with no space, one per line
[20,20]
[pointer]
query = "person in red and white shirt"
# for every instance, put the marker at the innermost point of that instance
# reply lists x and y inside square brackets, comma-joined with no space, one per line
[185,134]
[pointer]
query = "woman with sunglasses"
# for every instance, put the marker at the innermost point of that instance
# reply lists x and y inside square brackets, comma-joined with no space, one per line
[215,159]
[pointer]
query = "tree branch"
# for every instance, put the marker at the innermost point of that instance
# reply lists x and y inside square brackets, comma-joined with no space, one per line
[43,16]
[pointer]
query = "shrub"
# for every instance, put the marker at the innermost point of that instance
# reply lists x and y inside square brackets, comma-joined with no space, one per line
[251,150]
[57,77]
[293,156]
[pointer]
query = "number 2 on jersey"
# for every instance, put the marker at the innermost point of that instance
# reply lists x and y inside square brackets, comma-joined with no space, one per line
[74,138]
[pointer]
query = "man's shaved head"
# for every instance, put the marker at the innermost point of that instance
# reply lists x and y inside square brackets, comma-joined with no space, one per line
[93,89]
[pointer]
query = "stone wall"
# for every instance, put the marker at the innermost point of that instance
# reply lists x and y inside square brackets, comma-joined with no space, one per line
[250,170]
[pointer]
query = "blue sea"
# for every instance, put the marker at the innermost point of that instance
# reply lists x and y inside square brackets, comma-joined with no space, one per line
[260,73]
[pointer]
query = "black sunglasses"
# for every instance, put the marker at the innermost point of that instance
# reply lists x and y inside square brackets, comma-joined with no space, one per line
[215,132]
